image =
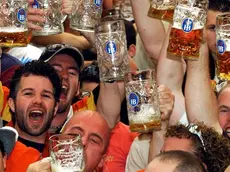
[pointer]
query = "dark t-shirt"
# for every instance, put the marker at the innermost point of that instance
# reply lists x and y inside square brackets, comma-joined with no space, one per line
[40,147]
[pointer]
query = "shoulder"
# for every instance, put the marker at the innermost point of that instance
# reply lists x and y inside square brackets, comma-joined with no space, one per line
[21,157]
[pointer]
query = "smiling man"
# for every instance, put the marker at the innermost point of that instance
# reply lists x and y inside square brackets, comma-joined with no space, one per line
[34,93]
[67,61]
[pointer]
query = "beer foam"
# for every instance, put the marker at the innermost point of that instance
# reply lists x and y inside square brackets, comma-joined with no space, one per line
[192,13]
[12,29]
[146,114]
[59,168]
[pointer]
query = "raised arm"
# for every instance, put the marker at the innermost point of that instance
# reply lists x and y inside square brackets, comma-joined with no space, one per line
[201,104]
[171,74]
[151,30]
[109,102]
[79,42]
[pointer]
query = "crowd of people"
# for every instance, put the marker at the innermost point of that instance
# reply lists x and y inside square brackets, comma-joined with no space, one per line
[52,86]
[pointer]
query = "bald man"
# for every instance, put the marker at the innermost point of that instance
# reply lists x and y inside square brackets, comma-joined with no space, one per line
[95,138]
[175,161]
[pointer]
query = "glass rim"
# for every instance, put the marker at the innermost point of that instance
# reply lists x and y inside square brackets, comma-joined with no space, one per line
[223,15]
[140,71]
[51,138]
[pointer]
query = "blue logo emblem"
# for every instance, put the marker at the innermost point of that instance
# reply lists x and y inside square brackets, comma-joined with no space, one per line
[35,4]
[133,99]
[98,2]
[111,48]
[21,15]
[221,47]
[187,25]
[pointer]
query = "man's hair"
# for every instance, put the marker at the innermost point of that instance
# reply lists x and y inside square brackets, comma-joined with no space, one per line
[220,5]
[215,149]
[185,161]
[37,68]
[2,149]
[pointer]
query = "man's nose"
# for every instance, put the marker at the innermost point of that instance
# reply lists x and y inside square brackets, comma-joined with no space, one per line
[84,141]
[37,99]
[64,74]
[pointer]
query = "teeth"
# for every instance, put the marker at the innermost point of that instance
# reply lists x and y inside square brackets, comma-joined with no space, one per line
[36,111]
[228,130]
[64,89]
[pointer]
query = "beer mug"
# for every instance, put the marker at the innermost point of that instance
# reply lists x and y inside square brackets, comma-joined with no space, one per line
[223,45]
[53,15]
[13,23]
[111,14]
[112,52]
[142,101]
[187,29]
[162,9]
[126,10]
[85,14]
[67,153]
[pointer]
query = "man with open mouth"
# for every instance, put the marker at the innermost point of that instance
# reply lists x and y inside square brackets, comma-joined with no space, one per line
[68,62]
[33,100]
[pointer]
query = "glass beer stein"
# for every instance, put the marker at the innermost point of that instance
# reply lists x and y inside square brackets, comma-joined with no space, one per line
[85,14]
[223,46]
[142,101]
[162,9]
[187,29]
[13,23]
[112,52]
[67,153]
[126,10]
[53,15]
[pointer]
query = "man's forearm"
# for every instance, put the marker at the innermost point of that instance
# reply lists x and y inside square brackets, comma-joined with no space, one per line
[170,72]
[151,30]
[157,141]
[64,38]
[109,103]
[201,104]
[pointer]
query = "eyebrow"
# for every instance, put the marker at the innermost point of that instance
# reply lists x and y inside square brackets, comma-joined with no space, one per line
[71,67]
[98,136]
[27,89]
[74,68]
[91,134]
[224,106]
[76,127]
[31,89]
[49,92]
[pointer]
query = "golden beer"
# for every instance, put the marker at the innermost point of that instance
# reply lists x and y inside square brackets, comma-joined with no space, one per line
[13,29]
[162,14]
[142,101]
[187,30]
[13,39]
[223,65]
[153,125]
[223,46]
[185,45]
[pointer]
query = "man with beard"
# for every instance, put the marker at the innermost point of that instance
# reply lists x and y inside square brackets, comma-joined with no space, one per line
[94,133]
[34,94]
[68,62]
